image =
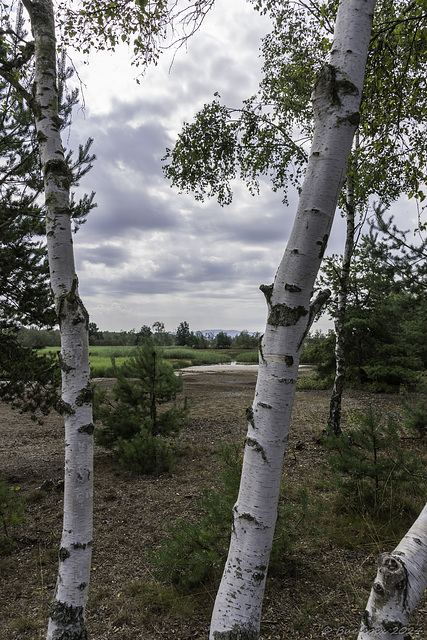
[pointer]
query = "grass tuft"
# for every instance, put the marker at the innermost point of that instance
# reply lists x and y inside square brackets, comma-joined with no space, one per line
[248,356]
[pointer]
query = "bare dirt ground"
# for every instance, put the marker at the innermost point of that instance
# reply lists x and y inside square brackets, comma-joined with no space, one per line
[320,596]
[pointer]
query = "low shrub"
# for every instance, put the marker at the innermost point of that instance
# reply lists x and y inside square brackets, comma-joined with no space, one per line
[248,356]
[145,453]
[11,515]
[415,418]
[372,473]
[194,553]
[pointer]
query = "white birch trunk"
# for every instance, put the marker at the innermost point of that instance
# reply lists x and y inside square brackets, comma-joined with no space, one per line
[336,102]
[334,420]
[67,609]
[400,582]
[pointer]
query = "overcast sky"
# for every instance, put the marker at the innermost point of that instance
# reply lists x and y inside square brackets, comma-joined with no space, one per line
[148,254]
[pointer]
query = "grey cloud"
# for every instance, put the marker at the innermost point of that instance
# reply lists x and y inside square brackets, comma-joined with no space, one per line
[254,220]
[128,286]
[143,105]
[123,209]
[210,270]
[121,212]
[176,276]
[139,147]
[263,231]
[151,246]
[108,255]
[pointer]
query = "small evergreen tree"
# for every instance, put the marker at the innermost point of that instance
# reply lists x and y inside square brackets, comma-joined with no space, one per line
[385,315]
[374,475]
[133,425]
[194,553]
[415,418]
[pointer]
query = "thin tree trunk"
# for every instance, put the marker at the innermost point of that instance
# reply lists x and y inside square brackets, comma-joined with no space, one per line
[68,607]
[400,582]
[336,102]
[334,420]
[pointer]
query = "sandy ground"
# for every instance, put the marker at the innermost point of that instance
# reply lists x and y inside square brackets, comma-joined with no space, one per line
[319,592]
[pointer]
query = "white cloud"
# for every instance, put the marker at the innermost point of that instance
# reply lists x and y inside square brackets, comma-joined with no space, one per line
[147,253]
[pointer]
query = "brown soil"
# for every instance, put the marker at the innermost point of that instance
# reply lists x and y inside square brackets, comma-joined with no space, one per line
[319,594]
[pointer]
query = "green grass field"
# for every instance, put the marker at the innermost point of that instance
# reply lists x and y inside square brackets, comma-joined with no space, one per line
[180,357]
[248,356]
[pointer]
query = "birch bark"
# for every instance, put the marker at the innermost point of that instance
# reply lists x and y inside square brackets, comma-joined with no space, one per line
[400,582]
[334,420]
[336,101]
[68,607]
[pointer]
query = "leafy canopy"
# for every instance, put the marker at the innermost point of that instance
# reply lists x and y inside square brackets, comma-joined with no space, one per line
[267,137]
[146,26]
[25,296]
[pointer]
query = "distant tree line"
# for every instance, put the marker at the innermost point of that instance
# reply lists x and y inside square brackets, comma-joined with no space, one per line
[384,327]
[38,338]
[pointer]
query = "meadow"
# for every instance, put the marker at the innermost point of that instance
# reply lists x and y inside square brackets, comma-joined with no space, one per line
[104,358]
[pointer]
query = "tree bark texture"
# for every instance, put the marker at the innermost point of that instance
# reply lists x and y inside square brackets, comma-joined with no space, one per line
[67,610]
[334,420]
[336,102]
[400,582]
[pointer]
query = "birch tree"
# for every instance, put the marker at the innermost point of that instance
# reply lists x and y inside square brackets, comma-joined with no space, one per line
[336,102]
[22,184]
[68,607]
[399,584]
[267,136]
[25,295]
[94,25]
[334,420]
[385,347]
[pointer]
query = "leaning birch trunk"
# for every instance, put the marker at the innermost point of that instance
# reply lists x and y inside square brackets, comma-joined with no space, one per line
[336,103]
[334,420]
[400,582]
[68,607]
